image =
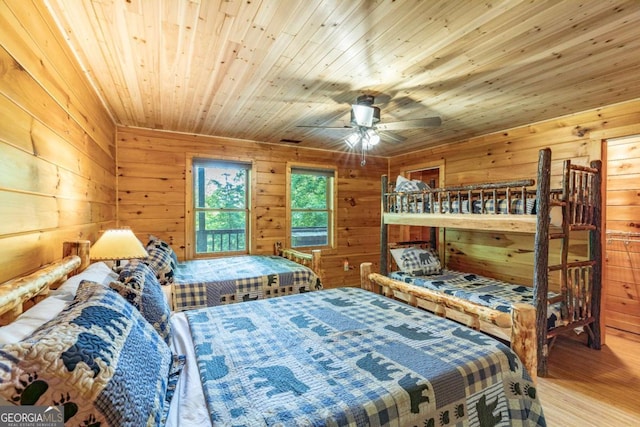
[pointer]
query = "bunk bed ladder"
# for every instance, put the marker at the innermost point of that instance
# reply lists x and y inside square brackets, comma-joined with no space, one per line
[580,281]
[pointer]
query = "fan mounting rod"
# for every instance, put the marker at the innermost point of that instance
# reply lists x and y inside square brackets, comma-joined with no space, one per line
[365,100]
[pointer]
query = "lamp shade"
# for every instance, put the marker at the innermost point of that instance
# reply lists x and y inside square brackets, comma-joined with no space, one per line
[117,244]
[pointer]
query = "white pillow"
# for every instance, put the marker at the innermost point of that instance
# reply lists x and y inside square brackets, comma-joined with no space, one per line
[51,306]
[31,320]
[98,272]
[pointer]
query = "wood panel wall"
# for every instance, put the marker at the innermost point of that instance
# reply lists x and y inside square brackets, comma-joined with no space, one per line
[510,155]
[57,162]
[152,192]
[623,251]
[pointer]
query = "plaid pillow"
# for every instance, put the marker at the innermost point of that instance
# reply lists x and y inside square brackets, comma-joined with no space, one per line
[417,261]
[161,261]
[155,242]
[517,206]
[405,185]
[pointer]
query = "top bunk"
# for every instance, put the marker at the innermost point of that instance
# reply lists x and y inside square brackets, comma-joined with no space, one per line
[515,206]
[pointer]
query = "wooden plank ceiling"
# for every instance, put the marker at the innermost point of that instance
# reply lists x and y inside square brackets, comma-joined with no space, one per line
[257,69]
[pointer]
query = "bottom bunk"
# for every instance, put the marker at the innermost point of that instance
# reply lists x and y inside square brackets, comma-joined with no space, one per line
[518,327]
[503,310]
[485,291]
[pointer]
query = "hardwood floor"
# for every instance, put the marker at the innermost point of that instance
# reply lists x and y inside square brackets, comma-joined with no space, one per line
[588,387]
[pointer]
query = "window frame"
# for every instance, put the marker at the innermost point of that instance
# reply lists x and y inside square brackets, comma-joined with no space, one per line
[331,209]
[193,160]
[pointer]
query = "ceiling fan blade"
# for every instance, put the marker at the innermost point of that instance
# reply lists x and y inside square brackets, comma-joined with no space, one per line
[411,124]
[325,127]
[390,136]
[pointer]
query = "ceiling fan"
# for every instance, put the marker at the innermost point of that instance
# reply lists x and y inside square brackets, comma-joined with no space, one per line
[366,129]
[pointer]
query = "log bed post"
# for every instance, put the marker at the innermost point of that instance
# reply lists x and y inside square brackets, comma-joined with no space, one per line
[312,260]
[365,282]
[541,259]
[524,340]
[80,248]
[316,264]
[384,243]
[595,249]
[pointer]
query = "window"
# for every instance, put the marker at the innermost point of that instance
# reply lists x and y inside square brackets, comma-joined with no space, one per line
[220,206]
[311,199]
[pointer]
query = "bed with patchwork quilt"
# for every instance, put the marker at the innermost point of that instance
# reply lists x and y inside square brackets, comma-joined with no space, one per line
[346,357]
[209,282]
[219,281]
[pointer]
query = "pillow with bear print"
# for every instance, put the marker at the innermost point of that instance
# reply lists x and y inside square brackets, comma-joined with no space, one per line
[417,261]
[88,360]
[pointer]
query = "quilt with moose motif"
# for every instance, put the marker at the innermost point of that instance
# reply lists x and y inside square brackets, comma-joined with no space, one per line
[211,282]
[348,357]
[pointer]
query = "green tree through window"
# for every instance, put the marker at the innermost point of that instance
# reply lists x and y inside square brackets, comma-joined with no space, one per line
[311,206]
[221,206]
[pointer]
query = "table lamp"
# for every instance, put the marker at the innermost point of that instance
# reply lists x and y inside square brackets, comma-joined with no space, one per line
[117,244]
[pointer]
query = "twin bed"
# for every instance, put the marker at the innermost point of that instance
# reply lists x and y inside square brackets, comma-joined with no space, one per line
[529,317]
[218,281]
[109,351]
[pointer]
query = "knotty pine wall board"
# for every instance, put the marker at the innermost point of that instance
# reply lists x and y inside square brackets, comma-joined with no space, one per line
[623,253]
[57,144]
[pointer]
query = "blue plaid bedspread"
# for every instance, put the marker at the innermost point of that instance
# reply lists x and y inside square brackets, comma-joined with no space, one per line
[211,282]
[481,290]
[348,357]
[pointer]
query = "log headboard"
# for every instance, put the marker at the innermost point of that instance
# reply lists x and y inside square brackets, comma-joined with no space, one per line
[17,294]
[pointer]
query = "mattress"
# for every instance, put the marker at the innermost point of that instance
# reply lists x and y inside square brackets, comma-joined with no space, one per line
[219,281]
[344,357]
[481,290]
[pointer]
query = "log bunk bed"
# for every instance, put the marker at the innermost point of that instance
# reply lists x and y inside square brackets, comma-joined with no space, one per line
[525,326]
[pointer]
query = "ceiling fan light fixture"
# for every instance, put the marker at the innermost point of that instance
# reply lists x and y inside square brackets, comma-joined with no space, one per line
[365,124]
[371,138]
[364,115]
[352,140]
